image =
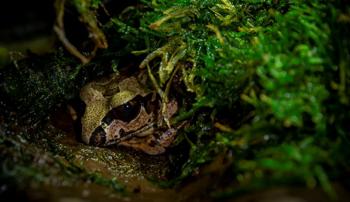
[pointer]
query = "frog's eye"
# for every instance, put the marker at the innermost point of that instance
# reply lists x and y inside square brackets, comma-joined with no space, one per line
[126,112]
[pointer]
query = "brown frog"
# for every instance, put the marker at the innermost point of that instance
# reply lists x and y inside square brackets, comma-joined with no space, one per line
[123,111]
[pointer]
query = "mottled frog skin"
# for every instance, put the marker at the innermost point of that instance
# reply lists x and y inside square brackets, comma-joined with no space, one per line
[123,111]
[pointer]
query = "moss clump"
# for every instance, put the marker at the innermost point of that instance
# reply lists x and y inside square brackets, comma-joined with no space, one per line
[283,64]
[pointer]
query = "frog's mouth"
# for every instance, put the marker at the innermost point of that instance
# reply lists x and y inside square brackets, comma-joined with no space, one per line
[142,132]
[107,136]
[114,130]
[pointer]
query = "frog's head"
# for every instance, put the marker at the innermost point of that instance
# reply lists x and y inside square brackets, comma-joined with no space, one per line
[116,110]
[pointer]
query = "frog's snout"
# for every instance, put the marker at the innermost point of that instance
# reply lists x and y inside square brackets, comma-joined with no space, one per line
[98,137]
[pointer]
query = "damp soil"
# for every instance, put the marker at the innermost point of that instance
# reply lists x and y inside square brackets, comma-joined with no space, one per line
[53,165]
[50,163]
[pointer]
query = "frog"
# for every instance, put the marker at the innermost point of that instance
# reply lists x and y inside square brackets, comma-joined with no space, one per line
[123,111]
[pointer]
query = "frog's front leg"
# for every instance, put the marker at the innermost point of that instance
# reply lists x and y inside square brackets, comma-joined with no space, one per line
[167,137]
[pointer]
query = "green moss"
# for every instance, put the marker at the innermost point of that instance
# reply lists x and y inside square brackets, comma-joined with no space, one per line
[283,58]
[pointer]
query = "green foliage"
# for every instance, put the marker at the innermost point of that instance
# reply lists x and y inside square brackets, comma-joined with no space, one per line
[287,59]
[289,50]
[288,162]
